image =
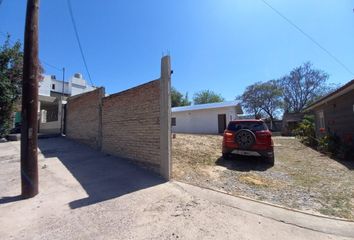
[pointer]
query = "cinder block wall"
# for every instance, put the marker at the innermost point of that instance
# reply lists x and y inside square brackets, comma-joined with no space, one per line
[131,124]
[83,118]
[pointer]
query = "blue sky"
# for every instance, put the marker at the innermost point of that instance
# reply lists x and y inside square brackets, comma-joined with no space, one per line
[222,45]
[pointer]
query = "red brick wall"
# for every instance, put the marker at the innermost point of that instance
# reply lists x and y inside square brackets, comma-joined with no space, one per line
[131,123]
[83,118]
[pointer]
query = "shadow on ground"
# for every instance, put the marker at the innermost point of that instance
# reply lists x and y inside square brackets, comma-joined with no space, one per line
[10,199]
[348,163]
[243,163]
[102,176]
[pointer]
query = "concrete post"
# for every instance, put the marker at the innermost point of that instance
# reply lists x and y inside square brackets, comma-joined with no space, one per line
[165,118]
[60,114]
[100,102]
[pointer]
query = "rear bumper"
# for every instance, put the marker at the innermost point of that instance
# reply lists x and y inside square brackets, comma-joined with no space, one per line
[249,152]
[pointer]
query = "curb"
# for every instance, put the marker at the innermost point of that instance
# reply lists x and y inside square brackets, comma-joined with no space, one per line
[271,204]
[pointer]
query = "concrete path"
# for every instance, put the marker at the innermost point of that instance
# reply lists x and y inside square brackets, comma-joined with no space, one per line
[85,194]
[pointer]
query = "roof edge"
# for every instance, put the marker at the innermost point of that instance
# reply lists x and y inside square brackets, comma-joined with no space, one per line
[336,93]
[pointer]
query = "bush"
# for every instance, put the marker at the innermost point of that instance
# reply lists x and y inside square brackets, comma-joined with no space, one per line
[306,131]
[328,144]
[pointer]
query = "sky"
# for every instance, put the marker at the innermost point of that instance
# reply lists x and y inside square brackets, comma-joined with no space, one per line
[220,45]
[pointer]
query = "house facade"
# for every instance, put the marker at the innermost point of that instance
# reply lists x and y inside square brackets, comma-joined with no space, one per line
[334,114]
[211,118]
[52,96]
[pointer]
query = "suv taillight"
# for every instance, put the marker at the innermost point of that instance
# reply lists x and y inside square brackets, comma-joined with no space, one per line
[264,137]
[229,136]
[264,133]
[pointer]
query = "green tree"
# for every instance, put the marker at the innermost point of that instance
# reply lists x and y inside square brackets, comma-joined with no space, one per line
[207,96]
[177,98]
[251,100]
[262,98]
[11,60]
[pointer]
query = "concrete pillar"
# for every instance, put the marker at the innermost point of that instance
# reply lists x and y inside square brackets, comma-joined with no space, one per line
[60,114]
[100,102]
[165,118]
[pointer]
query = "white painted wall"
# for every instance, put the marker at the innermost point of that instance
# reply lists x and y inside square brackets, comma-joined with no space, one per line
[44,86]
[58,86]
[202,121]
[74,87]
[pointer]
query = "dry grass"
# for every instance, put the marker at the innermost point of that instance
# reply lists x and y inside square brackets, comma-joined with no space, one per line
[301,178]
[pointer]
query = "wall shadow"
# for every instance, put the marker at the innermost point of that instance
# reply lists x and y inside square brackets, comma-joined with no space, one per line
[103,177]
[243,163]
[348,163]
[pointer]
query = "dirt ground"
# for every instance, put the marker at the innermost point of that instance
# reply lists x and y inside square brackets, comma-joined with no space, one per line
[302,178]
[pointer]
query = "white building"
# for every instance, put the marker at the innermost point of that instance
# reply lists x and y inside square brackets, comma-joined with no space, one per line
[211,118]
[52,96]
[75,86]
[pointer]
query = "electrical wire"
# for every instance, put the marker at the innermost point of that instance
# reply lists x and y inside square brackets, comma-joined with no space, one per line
[308,36]
[78,39]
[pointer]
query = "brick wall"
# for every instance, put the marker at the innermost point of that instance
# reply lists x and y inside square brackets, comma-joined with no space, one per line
[131,123]
[83,120]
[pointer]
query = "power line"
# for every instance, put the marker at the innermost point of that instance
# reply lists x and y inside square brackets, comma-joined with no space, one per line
[309,37]
[78,39]
[50,65]
[41,60]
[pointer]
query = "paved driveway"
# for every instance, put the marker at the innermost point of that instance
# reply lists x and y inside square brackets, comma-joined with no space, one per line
[85,194]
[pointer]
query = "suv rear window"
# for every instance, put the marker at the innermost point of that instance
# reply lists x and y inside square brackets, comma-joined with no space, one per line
[253,126]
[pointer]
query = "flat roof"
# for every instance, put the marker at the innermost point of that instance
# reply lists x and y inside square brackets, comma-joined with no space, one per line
[209,106]
[339,92]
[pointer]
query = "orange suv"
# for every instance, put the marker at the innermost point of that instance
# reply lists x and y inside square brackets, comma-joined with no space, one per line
[249,137]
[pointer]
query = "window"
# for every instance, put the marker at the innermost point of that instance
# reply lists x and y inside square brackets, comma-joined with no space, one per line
[53,86]
[173,121]
[251,125]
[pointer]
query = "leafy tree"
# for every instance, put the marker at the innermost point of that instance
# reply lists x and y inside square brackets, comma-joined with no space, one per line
[11,60]
[302,86]
[177,98]
[262,97]
[271,96]
[251,101]
[185,100]
[207,96]
[11,68]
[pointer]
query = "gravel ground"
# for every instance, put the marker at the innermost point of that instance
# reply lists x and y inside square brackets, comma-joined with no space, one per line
[301,178]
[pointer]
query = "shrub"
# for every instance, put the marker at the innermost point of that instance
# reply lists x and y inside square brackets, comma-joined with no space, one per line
[332,144]
[306,131]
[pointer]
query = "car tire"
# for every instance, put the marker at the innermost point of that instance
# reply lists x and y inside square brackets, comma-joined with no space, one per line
[226,156]
[270,160]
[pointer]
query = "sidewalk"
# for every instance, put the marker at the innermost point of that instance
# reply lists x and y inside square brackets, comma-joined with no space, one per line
[86,194]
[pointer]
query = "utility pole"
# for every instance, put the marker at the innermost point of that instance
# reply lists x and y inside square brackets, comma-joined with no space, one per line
[29,155]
